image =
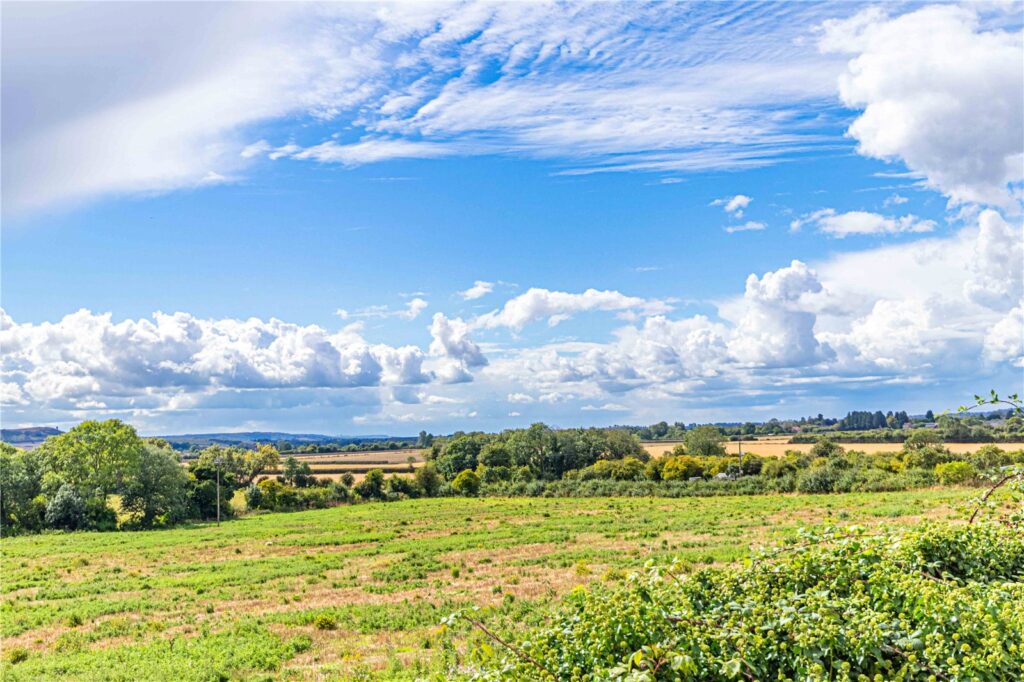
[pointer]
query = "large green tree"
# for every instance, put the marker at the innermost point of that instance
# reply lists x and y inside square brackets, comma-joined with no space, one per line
[95,457]
[159,493]
[704,441]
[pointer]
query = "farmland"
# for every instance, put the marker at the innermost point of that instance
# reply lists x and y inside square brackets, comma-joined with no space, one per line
[777,446]
[358,591]
[332,465]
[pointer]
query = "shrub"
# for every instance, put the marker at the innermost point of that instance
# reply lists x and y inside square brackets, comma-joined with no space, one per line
[842,606]
[467,483]
[428,479]
[826,447]
[952,473]
[66,510]
[16,655]
[821,479]
[681,468]
[324,621]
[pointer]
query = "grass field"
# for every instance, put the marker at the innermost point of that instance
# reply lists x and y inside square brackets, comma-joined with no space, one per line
[776,447]
[357,592]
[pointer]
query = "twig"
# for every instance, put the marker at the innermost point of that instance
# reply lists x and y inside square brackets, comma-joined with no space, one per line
[984,498]
[511,647]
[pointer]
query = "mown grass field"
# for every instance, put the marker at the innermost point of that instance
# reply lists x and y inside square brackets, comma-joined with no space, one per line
[357,592]
[777,447]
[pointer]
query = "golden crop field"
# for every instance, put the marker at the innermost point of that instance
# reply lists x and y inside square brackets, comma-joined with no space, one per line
[777,446]
[332,465]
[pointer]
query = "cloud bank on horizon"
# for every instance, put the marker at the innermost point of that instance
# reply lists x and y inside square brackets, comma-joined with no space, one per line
[936,91]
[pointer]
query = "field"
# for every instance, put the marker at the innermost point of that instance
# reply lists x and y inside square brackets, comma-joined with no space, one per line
[777,446]
[332,465]
[357,592]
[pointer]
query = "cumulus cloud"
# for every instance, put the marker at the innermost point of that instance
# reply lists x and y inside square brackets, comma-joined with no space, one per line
[457,352]
[773,328]
[939,93]
[479,289]
[1004,342]
[88,356]
[557,306]
[839,225]
[996,263]
[733,205]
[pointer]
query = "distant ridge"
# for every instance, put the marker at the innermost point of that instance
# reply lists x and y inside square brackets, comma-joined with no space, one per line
[28,437]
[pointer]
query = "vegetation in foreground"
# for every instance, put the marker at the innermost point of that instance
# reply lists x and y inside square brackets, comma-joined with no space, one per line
[938,602]
[357,592]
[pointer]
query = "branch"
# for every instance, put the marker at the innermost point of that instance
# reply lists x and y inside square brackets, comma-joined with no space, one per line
[984,498]
[522,655]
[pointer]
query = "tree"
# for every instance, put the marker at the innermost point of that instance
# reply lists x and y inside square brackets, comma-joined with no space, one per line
[826,447]
[704,441]
[66,510]
[96,457]
[296,473]
[467,483]
[22,506]
[159,492]
[372,486]
[920,438]
[243,465]
[428,479]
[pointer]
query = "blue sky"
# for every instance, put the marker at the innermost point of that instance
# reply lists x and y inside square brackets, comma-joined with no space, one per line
[685,212]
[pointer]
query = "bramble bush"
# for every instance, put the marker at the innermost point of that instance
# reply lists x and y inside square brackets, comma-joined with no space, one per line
[942,602]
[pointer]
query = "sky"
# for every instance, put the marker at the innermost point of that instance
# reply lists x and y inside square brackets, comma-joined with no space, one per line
[377,218]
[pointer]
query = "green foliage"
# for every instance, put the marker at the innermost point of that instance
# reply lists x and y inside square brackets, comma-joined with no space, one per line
[66,510]
[681,468]
[826,447]
[97,457]
[536,452]
[239,467]
[158,494]
[839,606]
[372,485]
[428,479]
[467,483]
[953,473]
[704,441]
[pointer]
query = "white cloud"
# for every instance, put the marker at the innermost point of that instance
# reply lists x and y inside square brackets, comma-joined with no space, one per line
[150,98]
[840,225]
[557,306]
[479,289]
[749,226]
[607,407]
[412,310]
[773,328]
[937,92]
[520,398]
[89,357]
[1004,342]
[457,351]
[734,205]
[996,264]
[895,200]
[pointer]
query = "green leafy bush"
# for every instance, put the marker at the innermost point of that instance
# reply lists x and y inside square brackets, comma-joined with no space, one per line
[941,602]
[952,473]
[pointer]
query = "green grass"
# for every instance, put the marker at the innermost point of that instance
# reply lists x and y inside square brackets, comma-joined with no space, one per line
[256,598]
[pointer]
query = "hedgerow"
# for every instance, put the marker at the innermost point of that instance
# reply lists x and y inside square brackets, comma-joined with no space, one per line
[942,602]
